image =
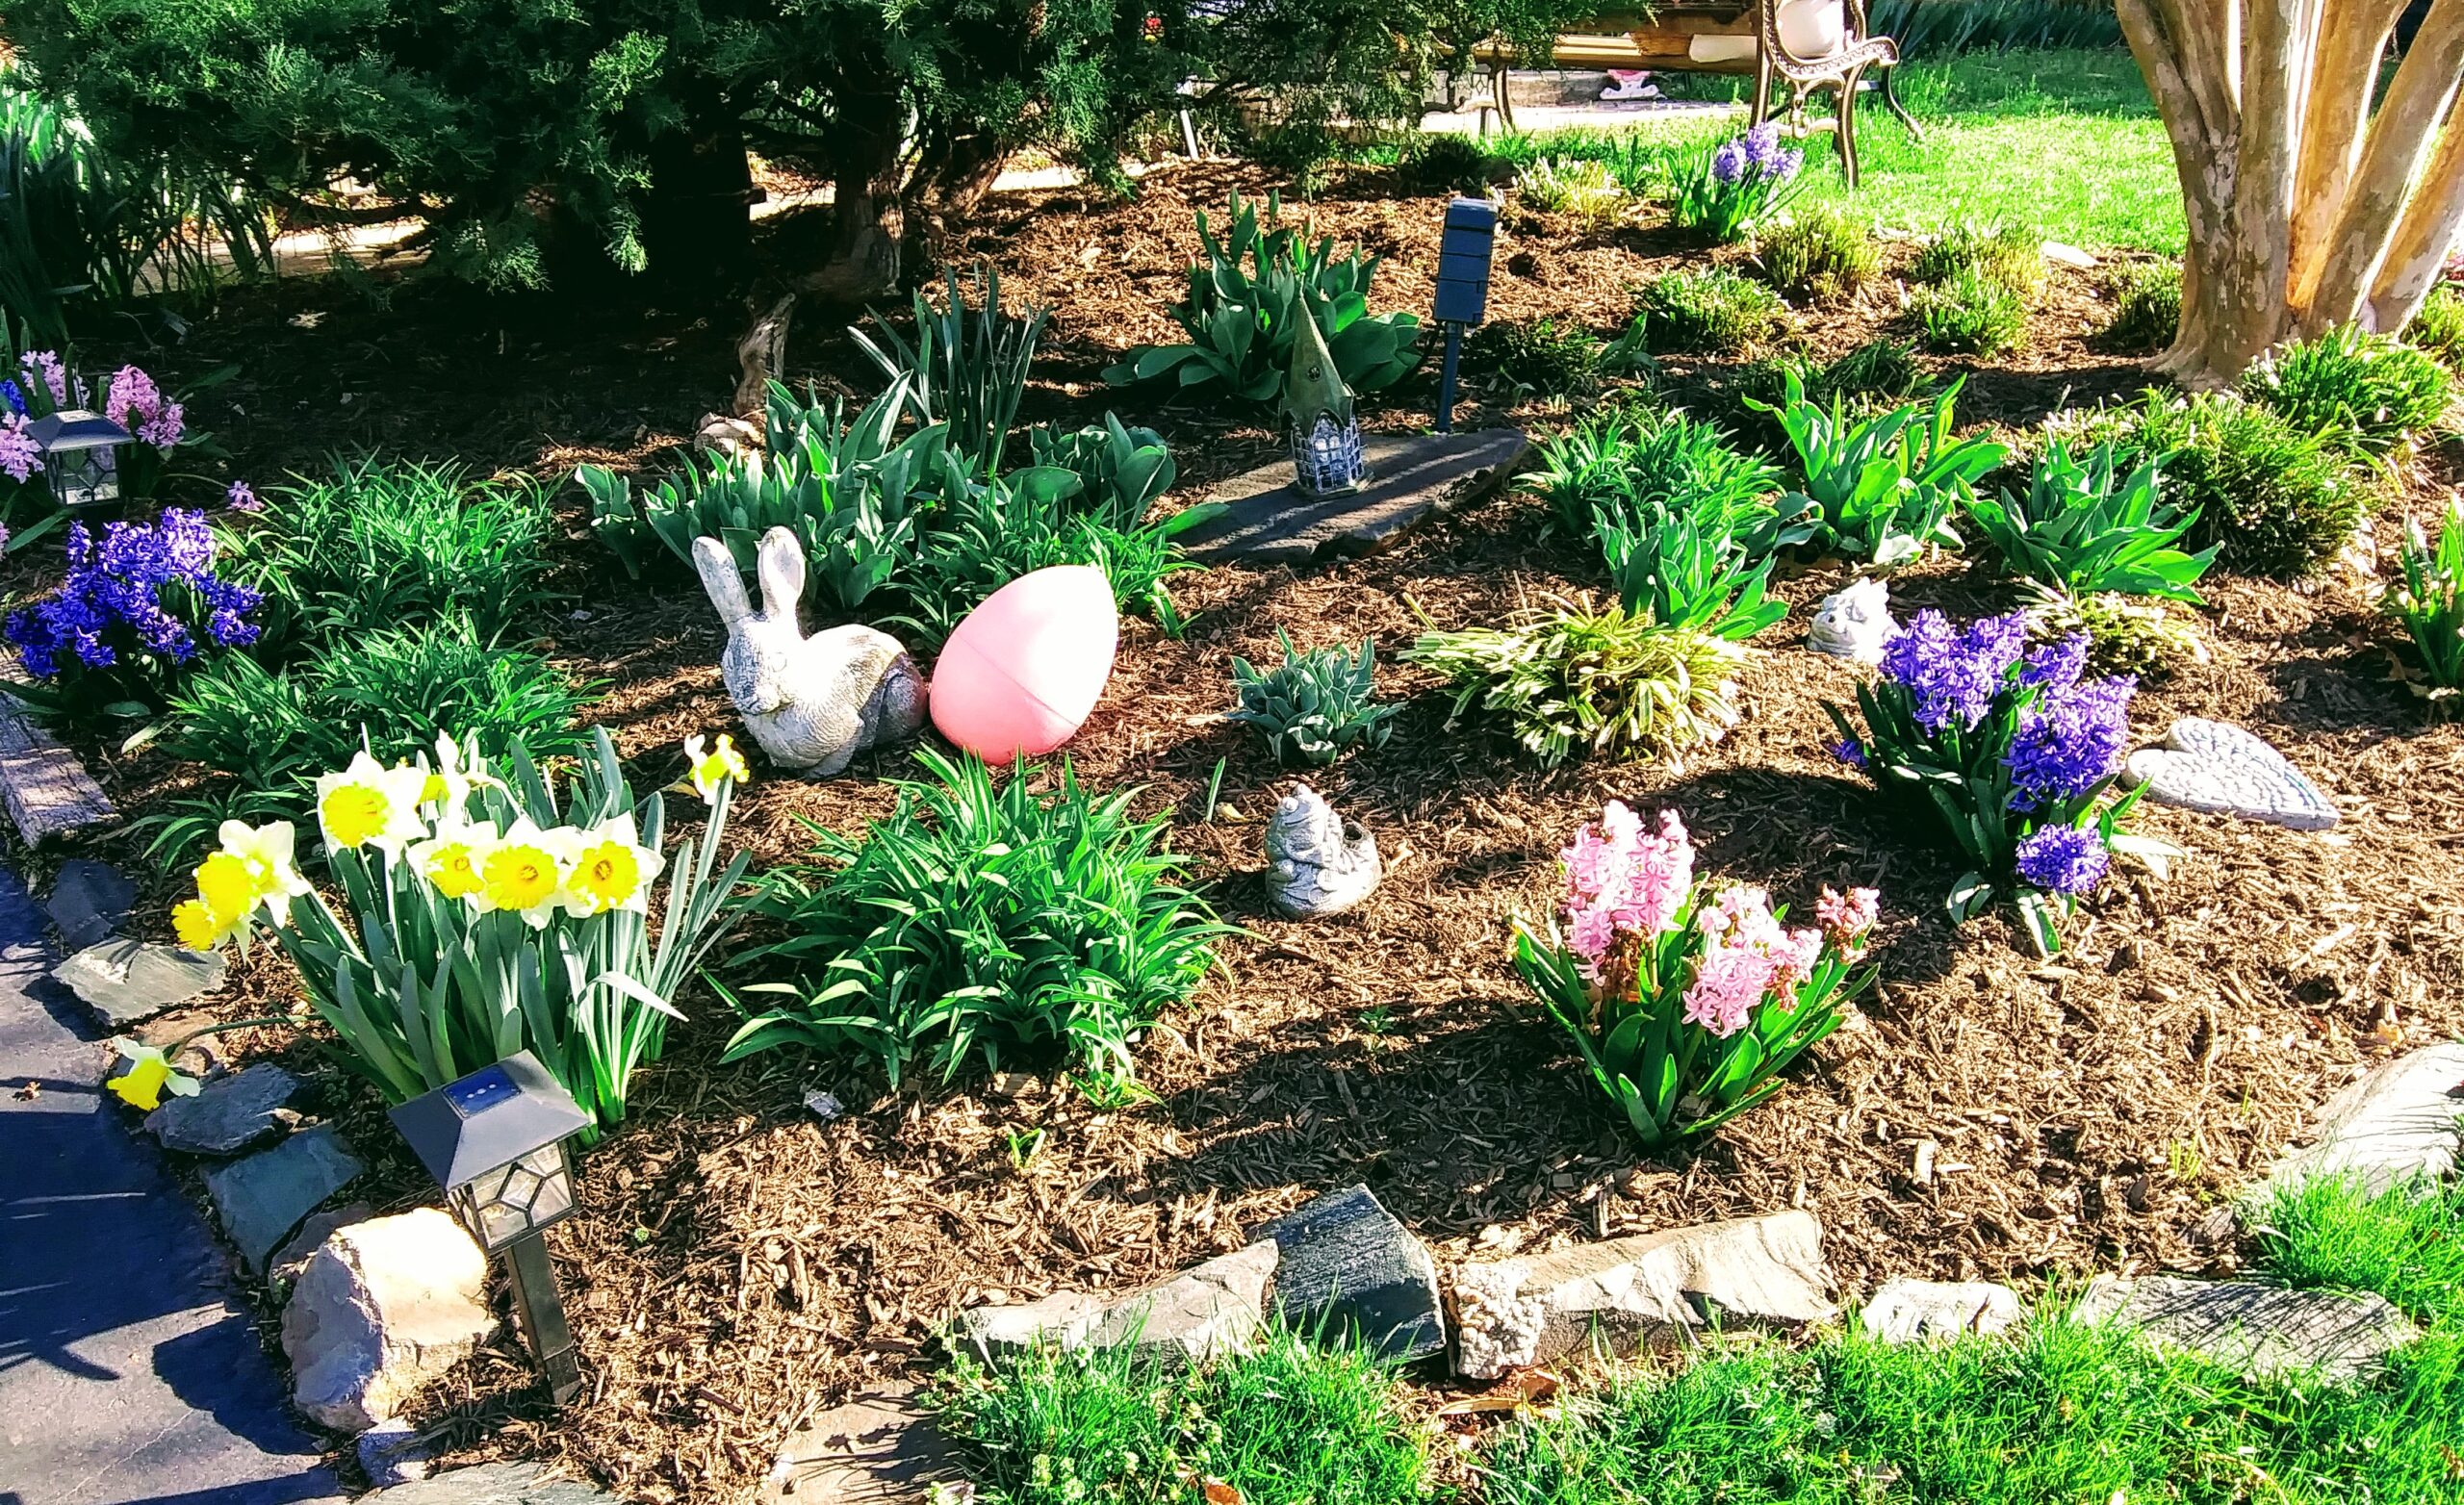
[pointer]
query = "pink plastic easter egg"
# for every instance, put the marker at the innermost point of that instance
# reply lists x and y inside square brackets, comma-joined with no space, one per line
[1023,672]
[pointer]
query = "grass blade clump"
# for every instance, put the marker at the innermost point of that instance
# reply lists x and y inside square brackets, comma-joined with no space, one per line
[979,923]
[2364,392]
[2086,526]
[2429,601]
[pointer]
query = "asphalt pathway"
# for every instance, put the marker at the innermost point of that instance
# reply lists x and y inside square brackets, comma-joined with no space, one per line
[128,1373]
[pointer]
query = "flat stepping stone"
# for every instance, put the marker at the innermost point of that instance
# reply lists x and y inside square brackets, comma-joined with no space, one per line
[229,1115]
[1348,1268]
[47,792]
[261,1199]
[1207,1311]
[2257,1331]
[2218,767]
[878,1449]
[2397,1124]
[1268,520]
[1933,1311]
[88,902]
[129,982]
[1652,1290]
[493,1484]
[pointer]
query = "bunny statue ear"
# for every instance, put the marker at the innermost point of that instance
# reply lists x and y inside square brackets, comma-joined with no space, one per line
[720,578]
[782,573]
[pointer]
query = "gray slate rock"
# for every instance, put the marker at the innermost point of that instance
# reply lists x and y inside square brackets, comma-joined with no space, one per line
[88,902]
[877,1449]
[2219,768]
[2256,1331]
[228,1115]
[492,1484]
[129,982]
[2399,1122]
[1346,1266]
[1209,1310]
[261,1199]
[1912,1311]
[1268,519]
[1653,1289]
[392,1452]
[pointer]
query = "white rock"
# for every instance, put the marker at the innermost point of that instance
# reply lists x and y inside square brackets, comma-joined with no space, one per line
[1318,863]
[2398,1123]
[2063,255]
[1854,624]
[1654,1288]
[380,1310]
[2218,767]
[1905,1311]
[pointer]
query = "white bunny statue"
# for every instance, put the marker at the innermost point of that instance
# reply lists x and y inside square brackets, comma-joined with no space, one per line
[811,702]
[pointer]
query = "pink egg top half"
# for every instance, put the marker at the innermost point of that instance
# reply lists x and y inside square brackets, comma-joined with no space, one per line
[1023,672]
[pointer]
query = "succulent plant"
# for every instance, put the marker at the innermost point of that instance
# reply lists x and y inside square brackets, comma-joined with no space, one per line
[1313,705]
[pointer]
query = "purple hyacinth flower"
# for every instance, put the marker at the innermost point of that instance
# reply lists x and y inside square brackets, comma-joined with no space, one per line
[1849,751]
[241,498]
[1763,145]
[2069,743]
[2056,666]
[2063,860]
[1729,163]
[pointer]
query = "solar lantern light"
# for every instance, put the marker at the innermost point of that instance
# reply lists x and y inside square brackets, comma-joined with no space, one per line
[80,457]
[1327,455]
[1464,249]
[495,1140]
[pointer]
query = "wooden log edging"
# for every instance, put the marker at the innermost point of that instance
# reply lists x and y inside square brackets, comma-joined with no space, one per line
[46,789]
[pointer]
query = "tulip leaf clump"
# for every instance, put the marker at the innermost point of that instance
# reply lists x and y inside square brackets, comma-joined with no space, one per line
[1243,300]
[2012,749]
[1686,997]
[2083,529]
[2429,601]
[978,925]
[1886,487]
[1313,706]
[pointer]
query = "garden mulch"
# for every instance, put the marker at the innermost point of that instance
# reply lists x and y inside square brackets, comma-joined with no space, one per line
[739,1265]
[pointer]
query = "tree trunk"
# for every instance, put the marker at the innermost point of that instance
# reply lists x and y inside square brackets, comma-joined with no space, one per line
[697,220]
[952,175]
[866,150]
[2305,211]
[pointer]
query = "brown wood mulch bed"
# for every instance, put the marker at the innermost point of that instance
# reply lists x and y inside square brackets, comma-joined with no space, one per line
[740,1265]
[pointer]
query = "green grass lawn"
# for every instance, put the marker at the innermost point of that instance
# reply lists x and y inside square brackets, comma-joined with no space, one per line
[2065,144]
[2079,1415]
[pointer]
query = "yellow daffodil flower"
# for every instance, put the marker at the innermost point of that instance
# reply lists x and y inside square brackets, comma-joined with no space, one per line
[522,872]
[227,887]
[199,927]
[369,804]
[707,769]
[455,861]
[149,1075]
[610,869]
[459,770]
[268,852]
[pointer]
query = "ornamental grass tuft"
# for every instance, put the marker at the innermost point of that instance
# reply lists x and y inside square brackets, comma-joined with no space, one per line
[1711,312]
[2364,392]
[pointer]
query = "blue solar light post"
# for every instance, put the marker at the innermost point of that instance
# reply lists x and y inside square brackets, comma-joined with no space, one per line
[1463,253]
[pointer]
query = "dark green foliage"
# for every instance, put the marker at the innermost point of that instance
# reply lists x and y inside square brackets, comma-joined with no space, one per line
[1285,1423]
[1313,706]
[1683,572]
[383,543]
[1969,312]
[1538,356]
[2279,501]
[274,731]
[2088,527]
[1873,379]
[83,228]
[1884,488]
[2439,326]
[1122,469]
[1448,161]
[1931,30]
[965,369]
[2147,308]
[1819,253]
[2006,255]
[1241,302]
[2364,392]
[1714,312]
[2428,600]
[978,925]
